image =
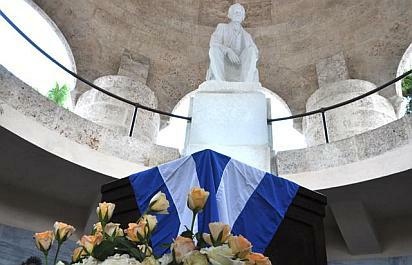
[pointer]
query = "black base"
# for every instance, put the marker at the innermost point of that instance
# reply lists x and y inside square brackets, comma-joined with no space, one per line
[298,241]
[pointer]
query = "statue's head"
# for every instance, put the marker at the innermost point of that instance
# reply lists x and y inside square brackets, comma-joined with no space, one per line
[236,13]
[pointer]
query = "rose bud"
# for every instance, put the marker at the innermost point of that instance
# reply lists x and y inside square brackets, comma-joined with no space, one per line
[119,232]
[111,228]
[196,199]
[105,211]
[195,258]
[145,250]
[181,246]
[131,232]
[97,228]
[217,229]
[62,231]
[240,246]
[257,259]
[44,240]
[137,232]
[159,203]
[78,254]
[89,242]
[151,221]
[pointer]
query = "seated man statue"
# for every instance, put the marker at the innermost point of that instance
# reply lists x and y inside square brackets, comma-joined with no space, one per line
[233,54]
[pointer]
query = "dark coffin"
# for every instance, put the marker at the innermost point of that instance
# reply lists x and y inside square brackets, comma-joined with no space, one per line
[298,241]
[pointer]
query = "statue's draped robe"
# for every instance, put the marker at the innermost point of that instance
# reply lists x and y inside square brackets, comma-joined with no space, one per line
[236,38]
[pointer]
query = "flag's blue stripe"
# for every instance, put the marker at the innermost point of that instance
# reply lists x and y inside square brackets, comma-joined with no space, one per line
[209,167]
[145,185]
[264,211]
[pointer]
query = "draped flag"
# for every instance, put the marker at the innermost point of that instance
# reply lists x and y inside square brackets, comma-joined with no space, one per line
[251,201]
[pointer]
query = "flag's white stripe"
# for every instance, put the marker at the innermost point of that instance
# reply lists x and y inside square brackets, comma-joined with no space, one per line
[238,183]
[180,176]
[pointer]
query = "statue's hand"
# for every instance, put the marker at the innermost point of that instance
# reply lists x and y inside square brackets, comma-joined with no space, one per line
[233,57]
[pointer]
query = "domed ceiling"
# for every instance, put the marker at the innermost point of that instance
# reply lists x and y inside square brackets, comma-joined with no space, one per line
[259,12]
[292,36]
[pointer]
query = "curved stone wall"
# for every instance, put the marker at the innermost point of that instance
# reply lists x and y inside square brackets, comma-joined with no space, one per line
[346,121]
[377,153]
[40,121]
[291,36]
[116,115]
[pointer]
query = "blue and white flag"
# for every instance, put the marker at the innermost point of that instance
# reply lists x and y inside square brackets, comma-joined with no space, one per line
[251,201]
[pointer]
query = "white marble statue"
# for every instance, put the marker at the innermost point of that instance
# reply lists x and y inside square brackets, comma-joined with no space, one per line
[233,54]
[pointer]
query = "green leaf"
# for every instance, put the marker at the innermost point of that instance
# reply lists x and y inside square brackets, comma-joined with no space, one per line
[219,238]
[407,85]
[201,243]
[187,234]
[137,254]
[123,242]
[104,250]
[58,94]
[141,238]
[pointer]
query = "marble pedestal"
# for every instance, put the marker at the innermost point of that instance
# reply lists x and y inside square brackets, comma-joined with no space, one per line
[230,118]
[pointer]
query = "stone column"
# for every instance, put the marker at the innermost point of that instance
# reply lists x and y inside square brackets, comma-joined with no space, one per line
[355,118]
[129,83]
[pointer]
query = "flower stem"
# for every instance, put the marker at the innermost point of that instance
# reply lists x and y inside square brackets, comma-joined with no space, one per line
[57,253]
[193,222]
[45,257]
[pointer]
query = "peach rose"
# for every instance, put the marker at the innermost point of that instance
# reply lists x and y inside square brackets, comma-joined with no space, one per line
[257,259]
[78,253]
[44,240]
[97,228]
[220,255]
[112,229]
[151,221]
[131,232]
[105,211]
[240,246]
[159,203]
[119,232]
[196,199]
[62,231]
[89,242]
[217,229]
[137,232]
[181,246]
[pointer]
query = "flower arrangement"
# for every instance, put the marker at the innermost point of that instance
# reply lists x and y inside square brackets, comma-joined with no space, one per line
[108,244]
[45,240]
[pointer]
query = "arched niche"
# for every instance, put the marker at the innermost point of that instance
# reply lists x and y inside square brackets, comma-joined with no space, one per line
[23,60]
[404,65]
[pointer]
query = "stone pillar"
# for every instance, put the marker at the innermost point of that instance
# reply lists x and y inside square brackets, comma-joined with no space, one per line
[355,118]
[130,83]
[231,118]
